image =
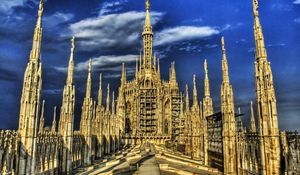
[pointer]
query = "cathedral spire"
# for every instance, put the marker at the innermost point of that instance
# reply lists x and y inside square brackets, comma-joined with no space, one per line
[187,99]
[30,101]
[173,80]
[71,63]
[240,126]
[37,37]
[253,125]
[154,61]
[107,98]
[123,79]
[206,83]
[266,103]
[158,68]
[224,62]
[147,38]
[261,53]
[113,103]
[181,104]
[195,96]
[100,91]
[137,67]
[228,118]
[89,80]
[141,60]
[42,119]
[53,129]
[147,20]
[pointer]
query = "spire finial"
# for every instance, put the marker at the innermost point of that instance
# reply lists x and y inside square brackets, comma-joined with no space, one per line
[240,121]
[53,129]
[187,99]
[154,60]
[113,102]
[73,42]
[147,5]
[223,46]
[37,36]
[136,67]
[206,81]
[107,98]
[147,39]
[141,60]
[181,104]
[253,125]
[205,67]
[173,74]
[123,79]
[89,80]
[224,62]
[41,8]
[195,95]
[71,63]
[158,65]
[90,66]
[255,8]
[100,90]
[42,119]
[261,53]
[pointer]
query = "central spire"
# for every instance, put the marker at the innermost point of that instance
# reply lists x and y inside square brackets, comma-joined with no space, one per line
[147,38]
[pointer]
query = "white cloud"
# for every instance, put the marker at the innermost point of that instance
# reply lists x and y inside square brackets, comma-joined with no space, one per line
[183,33]
[281,7]
[107,63]
[57,18]
[118,74]
[111,31]
[7,5]
[111,7]
[296,2]
[297,20]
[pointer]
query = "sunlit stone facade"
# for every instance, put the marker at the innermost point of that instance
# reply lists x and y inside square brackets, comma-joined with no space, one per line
[149,110]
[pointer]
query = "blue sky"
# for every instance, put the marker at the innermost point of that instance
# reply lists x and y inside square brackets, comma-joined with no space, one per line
[185,31]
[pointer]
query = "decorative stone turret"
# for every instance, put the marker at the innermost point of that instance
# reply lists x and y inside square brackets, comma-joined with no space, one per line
[266,103]
[228,119]
[30,101]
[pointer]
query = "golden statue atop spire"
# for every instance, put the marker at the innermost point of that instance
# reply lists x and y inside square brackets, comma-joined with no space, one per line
[224,62]
[261,53]
[71,62]
[53,129]
[73,42]
[100,91]
[89,80]
[41,8]
[107,98]
[147,39]
[206,82]
[253,125]
[147,5]
[37,36]
[223,47]
[255,7]
[195,95]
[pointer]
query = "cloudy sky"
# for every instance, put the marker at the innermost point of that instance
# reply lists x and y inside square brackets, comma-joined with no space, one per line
[185,31]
